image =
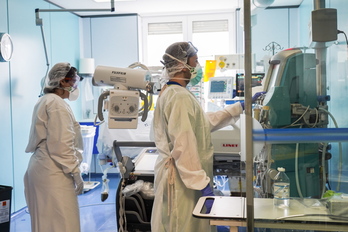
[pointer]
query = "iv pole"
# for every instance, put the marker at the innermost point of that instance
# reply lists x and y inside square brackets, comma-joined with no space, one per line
[38,22]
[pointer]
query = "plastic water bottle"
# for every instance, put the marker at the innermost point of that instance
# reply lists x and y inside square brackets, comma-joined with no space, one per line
[281,189]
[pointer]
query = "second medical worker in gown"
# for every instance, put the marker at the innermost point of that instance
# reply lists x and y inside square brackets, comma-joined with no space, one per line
[53,180]
[182,130]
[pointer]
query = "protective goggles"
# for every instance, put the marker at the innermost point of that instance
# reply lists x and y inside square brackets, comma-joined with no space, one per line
[73,81]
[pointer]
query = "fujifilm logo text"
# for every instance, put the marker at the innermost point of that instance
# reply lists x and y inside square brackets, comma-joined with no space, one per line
[120,73]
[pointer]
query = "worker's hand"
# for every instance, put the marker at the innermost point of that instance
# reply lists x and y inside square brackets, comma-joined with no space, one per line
[242,104]
[257,95]
[78,183]
[208,191]
[253,99]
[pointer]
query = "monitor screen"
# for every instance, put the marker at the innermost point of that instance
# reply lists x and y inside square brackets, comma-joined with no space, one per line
[220,88]
[256,80]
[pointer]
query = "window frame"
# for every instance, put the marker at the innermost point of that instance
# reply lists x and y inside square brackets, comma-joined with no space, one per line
[187,21]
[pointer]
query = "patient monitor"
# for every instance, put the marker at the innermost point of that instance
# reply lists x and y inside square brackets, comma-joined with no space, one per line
[123,104]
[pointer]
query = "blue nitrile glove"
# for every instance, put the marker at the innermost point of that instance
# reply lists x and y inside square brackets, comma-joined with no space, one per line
[242,104]
[208,191]
[257,95]
[254,98]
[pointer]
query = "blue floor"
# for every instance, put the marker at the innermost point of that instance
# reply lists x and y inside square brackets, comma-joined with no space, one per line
[96,216]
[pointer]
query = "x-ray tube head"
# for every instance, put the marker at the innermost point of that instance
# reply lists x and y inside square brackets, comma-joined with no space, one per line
[121,78]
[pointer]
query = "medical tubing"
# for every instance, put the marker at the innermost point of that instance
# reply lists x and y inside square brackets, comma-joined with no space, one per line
[224,180]
[323,169]
[317,117]
[294,123]
[339,151]
[312,215]
[138,64]
[95,121]
[111,203]
[122,213]
[296,172]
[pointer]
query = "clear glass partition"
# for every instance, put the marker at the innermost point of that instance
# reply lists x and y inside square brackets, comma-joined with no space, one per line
[299,124]
[304,133]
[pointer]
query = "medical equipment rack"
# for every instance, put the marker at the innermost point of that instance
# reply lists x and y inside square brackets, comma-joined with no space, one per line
[133,213]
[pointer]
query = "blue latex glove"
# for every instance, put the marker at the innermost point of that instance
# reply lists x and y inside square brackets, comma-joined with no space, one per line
[208,191]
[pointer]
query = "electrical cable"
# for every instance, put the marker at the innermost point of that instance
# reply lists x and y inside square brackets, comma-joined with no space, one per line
[342,32]
[339,152]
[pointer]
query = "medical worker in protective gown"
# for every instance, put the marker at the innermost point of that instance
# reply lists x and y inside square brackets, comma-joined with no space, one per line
[182,131]
[53,179]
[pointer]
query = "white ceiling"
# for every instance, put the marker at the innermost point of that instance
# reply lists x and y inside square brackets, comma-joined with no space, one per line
[161,7]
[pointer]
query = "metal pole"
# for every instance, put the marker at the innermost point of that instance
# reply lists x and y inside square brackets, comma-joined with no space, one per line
[319,4]
[248,118]
[73,10]
[321,53]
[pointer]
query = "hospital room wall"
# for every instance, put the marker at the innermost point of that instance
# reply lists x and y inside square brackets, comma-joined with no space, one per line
[20,79]
[274,25]
[111,41]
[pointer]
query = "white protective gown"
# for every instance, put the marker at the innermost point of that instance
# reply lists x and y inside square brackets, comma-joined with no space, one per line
[55,138]
[185,164]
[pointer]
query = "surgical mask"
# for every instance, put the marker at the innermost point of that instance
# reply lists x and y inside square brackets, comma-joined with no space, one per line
[73,93]
[196,74]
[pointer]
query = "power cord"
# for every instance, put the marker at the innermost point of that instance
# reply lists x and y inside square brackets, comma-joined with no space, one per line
[342,32]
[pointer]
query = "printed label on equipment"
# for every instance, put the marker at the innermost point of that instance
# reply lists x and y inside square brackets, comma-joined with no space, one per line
[4,211]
